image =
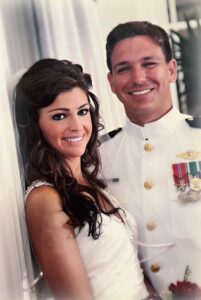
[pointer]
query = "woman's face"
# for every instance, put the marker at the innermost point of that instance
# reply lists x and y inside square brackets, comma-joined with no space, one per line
[66,124]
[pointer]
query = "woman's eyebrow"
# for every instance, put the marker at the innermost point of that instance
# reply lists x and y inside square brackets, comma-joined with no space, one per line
[68,109]
[83,105]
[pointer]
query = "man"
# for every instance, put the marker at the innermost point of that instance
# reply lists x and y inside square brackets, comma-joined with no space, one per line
[153,164]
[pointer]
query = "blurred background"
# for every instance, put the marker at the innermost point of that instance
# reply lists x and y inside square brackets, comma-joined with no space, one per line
[75,30]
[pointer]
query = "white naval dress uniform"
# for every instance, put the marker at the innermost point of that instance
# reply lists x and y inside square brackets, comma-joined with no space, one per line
[137,162]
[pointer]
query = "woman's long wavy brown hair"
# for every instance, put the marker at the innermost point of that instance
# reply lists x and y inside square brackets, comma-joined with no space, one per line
[38,88]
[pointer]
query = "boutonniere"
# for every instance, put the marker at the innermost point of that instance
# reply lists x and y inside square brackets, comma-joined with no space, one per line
[183,290]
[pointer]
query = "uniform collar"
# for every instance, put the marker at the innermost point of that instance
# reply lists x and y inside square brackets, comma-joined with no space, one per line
[164,125]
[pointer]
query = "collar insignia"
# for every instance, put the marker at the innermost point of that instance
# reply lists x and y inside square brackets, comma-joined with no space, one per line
[189,155]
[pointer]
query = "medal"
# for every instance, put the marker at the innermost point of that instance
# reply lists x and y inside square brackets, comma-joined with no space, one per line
[187,179]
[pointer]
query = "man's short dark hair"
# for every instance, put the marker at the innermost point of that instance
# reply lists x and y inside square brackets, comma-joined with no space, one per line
[136,28]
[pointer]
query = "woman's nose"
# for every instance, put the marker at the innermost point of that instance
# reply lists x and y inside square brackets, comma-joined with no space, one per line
[75,123]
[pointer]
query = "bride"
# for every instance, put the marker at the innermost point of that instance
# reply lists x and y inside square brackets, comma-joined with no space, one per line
[84,241]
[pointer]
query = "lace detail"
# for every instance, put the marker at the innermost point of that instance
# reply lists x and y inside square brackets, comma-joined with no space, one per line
[35,184]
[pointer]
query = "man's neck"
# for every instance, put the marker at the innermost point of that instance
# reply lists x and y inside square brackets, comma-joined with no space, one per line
[141,120]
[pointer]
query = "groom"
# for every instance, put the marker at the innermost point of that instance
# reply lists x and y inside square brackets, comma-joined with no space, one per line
[153,164]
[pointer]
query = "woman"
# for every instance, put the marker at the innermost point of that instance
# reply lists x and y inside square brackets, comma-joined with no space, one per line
[84,242]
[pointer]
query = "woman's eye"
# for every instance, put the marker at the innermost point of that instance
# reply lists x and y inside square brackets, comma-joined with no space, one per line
[59,117]
[83,112]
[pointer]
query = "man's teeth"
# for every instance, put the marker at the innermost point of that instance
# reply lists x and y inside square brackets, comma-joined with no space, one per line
[77,139]
[140,92]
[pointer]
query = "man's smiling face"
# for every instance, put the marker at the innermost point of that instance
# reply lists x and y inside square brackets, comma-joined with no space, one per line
[141,78]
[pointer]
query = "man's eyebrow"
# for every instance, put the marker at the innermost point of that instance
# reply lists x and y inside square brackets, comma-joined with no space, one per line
[150,58]
[119,64]
[124,63]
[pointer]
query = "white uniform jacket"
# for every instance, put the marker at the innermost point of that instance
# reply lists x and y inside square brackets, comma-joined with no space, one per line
[155,172]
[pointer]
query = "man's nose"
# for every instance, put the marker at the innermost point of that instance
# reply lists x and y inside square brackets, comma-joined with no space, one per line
[138,75]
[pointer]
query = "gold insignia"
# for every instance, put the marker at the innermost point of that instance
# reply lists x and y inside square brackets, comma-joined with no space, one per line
[189,155]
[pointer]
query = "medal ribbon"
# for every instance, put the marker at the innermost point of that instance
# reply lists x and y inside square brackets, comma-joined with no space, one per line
[180,174]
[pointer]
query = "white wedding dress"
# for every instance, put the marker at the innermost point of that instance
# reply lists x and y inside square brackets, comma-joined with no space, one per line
[111,260]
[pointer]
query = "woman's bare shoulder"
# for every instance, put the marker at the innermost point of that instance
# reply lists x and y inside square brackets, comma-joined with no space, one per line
[44,208]
[45,197]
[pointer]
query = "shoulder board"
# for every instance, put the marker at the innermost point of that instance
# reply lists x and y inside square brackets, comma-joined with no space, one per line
[194,122]
[114,132]
[109,135]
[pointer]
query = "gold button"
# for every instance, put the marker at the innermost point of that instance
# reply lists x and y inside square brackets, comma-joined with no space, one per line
[155,268]
[151,226]
[148,184]
[148,147]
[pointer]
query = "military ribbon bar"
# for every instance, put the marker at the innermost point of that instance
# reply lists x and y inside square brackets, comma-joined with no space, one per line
[180,174]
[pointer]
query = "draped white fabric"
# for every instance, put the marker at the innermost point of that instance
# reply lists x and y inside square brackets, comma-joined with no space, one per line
[19,31]
[13,278]
[18,50]
[69,29]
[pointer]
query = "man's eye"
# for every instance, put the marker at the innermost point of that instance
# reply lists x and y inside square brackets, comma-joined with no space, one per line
[83,112]
[149,64]
[123,69]
[59,117]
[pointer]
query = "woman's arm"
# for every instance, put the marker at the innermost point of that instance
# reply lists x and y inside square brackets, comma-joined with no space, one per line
[55,245]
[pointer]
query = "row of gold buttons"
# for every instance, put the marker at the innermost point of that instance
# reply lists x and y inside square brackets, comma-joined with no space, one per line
[148,184]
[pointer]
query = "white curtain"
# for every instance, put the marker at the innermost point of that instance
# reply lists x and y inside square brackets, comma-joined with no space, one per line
[13,235]
[70,29]
[17,50]
[19,31]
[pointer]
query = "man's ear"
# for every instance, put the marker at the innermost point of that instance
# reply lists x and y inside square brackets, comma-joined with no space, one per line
[110,79]
[172,67]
